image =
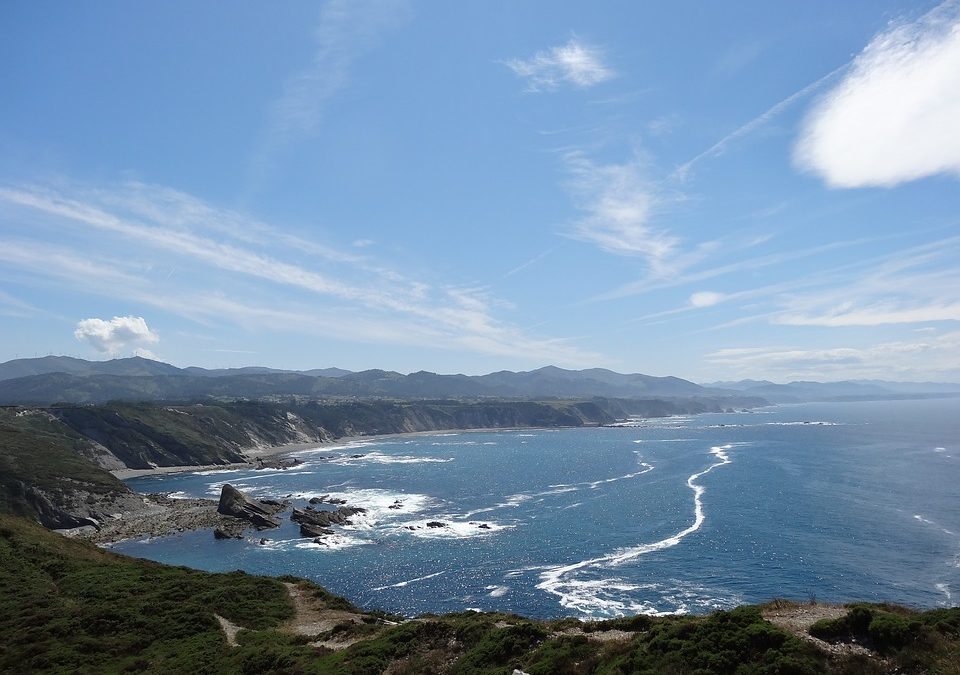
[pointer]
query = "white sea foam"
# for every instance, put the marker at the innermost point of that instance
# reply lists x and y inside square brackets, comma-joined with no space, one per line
[945,589]
[664,440]
[605,595]
[774,424]
[513,501]
[927,521]
[352,445]
[334,542]
[179,495]
[497,591]
[378,504]
[451,529]
[380,458]
[401,584]
[939,449]
[260,475]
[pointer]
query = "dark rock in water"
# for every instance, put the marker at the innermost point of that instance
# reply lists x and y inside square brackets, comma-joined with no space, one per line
[235,503]
[318,518]
[436,523]
[396,505]
[336,500]
[483,526]
[221,532]
[282,463]
[324,519]
[263,522]
[318,500]
[314,531]
[263,542]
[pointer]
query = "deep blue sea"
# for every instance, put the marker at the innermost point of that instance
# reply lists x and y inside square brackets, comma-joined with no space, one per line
[838,501]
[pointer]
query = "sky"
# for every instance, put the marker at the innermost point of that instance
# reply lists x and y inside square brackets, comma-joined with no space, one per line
[715,191]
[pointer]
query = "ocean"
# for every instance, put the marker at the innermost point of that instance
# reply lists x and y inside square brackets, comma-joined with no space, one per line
[832,501]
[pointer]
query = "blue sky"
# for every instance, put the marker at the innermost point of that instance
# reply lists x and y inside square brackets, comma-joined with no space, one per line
[707,190]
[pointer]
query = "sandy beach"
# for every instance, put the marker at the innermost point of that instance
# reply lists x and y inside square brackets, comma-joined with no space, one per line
[280,450]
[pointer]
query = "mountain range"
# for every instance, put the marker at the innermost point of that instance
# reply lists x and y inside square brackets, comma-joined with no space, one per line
[66,379]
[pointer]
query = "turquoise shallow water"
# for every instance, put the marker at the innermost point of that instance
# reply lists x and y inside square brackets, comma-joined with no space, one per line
[839,501]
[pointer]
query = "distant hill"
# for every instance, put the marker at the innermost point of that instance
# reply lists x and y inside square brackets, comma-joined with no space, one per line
[136,366]
[64,379]
[799,391]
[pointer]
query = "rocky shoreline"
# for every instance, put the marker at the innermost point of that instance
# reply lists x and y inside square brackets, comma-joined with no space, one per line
[159,516]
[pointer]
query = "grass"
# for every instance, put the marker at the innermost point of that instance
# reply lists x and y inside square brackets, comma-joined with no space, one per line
[67,606]
[913,641]
[39,453]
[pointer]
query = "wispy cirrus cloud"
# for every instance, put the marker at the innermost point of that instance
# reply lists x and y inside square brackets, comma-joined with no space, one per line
[239,269]
[617,202]
[344,31]
[575,63]
[893,117]
[684,171]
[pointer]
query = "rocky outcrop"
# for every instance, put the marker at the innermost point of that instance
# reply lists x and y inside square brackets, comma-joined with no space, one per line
[312,520]
[314,531]
[234,503]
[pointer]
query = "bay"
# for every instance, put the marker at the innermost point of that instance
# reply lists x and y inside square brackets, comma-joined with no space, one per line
[833,501]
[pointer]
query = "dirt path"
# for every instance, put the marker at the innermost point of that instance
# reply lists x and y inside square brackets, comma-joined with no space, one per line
[314,618]
[797,619]
[230,629]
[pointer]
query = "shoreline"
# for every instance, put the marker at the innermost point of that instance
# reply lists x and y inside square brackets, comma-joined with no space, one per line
[279,451]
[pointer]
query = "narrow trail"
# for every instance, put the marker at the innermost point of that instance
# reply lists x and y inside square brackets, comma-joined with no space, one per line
[230,630]
[797,619]
[312,618]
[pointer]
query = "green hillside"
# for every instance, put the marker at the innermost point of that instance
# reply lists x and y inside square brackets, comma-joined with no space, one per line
[67,606]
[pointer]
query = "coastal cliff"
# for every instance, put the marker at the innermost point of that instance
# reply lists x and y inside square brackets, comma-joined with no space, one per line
[56,460]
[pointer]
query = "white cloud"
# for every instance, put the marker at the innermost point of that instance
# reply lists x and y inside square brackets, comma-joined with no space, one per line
[706,299]
[574,63]
[118,335]
[936,358]
[617,202]
[894,116]
[877,315]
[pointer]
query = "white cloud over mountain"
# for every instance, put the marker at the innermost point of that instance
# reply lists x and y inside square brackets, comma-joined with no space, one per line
[118,335]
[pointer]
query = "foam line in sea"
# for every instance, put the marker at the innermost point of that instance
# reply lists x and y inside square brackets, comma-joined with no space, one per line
[579,595]
[401,584]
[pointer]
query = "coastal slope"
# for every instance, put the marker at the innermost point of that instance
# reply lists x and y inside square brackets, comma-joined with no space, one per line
[67,606]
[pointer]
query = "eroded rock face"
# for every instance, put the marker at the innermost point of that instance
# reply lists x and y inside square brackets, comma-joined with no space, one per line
[234,503]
